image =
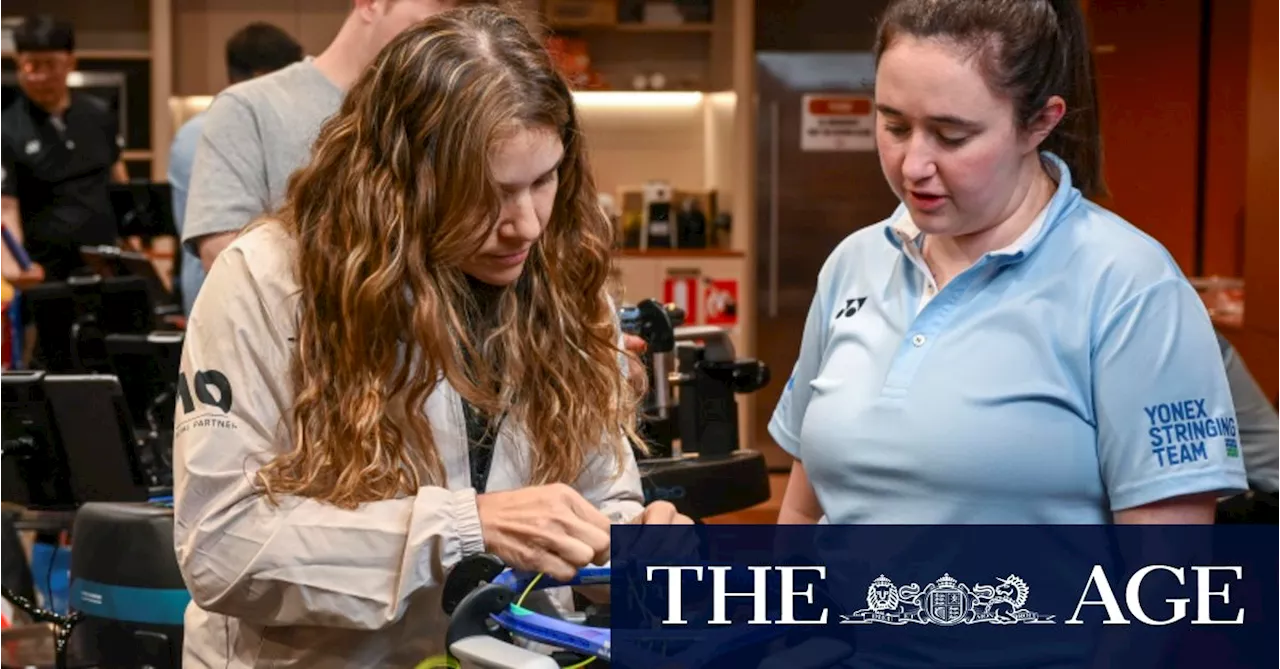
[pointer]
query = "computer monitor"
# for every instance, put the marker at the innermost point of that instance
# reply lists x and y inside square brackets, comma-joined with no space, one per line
[72,318]
[68,440]
[33,469]
[144,209]
[98,440]
[112,262]
[147,367]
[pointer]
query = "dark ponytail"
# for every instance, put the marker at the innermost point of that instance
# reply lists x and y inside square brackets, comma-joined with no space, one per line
[1077,139]
[1030,50]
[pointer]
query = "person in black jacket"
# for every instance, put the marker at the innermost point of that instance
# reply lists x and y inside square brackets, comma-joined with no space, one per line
[62,150]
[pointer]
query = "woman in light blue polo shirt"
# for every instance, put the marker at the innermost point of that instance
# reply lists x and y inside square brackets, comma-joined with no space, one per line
[1001,349]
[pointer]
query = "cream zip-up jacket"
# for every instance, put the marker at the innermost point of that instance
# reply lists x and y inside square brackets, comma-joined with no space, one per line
[307,584]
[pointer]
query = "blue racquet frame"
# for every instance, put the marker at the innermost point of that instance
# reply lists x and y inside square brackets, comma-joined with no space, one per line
[597,641]
[522,622]
[19,253]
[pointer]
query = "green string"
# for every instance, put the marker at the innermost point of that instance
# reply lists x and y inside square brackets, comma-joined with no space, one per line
[439,662]
[446,662]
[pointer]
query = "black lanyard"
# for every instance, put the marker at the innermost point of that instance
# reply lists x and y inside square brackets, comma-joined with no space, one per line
[481,435]
[482,432]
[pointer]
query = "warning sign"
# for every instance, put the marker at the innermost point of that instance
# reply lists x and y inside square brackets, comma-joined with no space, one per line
[721,302]
[682,291]
[837,123]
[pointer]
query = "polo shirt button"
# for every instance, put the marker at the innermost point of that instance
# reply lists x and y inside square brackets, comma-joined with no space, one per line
[918,340]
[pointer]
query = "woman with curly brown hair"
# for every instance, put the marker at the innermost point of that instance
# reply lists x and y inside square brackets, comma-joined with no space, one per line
[413,361]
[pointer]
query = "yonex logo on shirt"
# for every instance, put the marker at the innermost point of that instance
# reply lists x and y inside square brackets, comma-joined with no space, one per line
[1180,430]
[851,307]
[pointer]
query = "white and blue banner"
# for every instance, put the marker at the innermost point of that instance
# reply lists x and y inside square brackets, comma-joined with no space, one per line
[796,597]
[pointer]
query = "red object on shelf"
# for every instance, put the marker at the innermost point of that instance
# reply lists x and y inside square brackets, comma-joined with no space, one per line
[682,291]
[721,302]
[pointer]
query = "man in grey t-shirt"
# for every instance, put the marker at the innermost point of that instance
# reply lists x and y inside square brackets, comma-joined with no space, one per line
[1257,423]
[257,133]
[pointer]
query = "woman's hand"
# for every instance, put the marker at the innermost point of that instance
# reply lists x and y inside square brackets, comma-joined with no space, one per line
[661,513]
[635,369]
[24,279]
[551,529]
[667,535]
[657,513]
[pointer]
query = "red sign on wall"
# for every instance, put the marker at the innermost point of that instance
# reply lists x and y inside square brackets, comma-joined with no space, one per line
[720,298]
[682,291]
[837,123]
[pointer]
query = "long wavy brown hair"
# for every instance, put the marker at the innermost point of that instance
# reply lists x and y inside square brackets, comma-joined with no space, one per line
[397,194]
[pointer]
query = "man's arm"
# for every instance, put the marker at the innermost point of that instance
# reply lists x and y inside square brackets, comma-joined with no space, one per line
[209,246]
[1258,424]
[110,125]
[14,274]
[228,179]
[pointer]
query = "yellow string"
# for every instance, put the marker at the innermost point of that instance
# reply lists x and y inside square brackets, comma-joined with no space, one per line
[528,589]
[439,662]
[446,662]
[519,602]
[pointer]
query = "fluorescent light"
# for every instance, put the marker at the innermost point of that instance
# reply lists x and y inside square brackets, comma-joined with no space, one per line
[723,97]
[190,104]
[635,99]
[586,99]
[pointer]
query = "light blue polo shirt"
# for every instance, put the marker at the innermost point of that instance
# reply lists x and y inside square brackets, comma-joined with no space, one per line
[182,155]
[1067,376]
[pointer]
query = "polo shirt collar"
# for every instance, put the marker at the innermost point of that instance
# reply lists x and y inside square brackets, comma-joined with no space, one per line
[903,234]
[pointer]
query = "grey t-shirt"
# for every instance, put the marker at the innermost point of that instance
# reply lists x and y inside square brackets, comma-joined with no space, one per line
[256,134]
[1257,422]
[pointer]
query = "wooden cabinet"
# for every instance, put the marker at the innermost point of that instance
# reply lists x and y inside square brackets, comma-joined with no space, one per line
[201,29]
[627,45]
[1175,167]
[1257,341]
[1147,62]
[115,27]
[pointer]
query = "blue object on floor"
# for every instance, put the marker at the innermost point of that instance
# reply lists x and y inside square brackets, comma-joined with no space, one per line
[45,556]
[15,331]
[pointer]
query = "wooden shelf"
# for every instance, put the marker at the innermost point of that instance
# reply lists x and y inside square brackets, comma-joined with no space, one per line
[679,253]
[636,27]
[662,28]
[113,54]
[103,54]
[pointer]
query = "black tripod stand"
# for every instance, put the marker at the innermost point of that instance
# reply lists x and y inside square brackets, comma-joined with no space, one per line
[63,625]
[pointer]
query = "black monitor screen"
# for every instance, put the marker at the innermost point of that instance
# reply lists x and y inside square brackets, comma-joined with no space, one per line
[34,470]
[116,305]
[147,366]
[98,439]
[144,209]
